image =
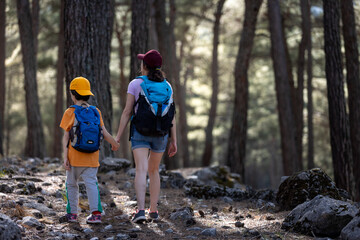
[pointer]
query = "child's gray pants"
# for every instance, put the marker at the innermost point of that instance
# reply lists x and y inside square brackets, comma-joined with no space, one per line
[88,174]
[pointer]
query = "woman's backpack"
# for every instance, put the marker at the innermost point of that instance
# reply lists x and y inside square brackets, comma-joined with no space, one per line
[86,133]
[156,108]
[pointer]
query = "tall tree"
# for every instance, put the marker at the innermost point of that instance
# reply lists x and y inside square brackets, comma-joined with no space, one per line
[353,84]
[180,94]
[120,34]
[35,145]
[339,123]
[88,31]
[2,72]
[237,141]
[306,28]
[284,101]
[35,11]
[60,74]
[206,158]
[139,33]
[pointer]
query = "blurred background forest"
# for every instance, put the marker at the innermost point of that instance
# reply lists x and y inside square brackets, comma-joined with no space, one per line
[199,40]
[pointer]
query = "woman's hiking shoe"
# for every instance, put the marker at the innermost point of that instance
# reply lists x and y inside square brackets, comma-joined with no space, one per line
[71,217]
[93,218]
[154,215]
[139,216]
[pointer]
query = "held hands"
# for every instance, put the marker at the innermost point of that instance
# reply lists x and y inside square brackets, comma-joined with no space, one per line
[115,146]
[172,148]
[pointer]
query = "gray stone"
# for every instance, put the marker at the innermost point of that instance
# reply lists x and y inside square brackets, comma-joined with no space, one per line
[304,186]
[182,214]
[88,230]
[114,164]
[169,230]
[9,229]
[108,227]
[209,232]
[5,188]
[352,230]
[41,207]
[322,216]
[30,221]
[122,236]
[198,229]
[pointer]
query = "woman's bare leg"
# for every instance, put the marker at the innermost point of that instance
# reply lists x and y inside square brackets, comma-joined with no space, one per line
[141,156]
[153,168]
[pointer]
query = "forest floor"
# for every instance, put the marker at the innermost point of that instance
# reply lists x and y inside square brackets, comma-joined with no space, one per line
[234,220]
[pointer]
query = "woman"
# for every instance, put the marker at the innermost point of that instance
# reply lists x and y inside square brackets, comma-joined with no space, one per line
[147,150]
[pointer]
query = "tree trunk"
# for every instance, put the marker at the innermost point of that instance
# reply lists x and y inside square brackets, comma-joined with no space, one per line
[286,115]
[296,100]
[305,13]
[35,10]
[339,123]
[206,158]
[180,94]
[237,141]
[88,30]
[139,34]
[353,84]
[120,32]
[60,73]
[2,72]
[35,145]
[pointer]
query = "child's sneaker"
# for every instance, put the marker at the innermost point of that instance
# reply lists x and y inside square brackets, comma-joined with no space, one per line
[154,215]
[93,218]
[139,216]
[71,217]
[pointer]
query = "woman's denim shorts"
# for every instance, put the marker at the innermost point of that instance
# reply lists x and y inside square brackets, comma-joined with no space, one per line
[155,144]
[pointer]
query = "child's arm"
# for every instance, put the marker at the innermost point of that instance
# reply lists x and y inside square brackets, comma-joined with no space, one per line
[126,115]
[65,141]
[114,144]
[173,146]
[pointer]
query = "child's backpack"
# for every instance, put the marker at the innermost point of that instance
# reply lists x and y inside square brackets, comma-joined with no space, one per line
[86,133]
[156,108]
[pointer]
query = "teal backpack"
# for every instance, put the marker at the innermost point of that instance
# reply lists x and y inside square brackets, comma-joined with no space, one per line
[156,108]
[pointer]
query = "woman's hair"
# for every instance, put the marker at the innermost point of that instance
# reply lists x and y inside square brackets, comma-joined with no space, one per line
[155,73]
[80,97]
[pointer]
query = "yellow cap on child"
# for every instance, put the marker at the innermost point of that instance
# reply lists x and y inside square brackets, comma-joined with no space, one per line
[81,85]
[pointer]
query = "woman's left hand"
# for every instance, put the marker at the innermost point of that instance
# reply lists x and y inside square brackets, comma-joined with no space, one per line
[172,148]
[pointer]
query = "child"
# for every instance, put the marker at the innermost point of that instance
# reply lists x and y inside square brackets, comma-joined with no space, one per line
[82,163]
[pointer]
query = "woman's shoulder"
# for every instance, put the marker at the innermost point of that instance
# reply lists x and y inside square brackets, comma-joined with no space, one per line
[136,81]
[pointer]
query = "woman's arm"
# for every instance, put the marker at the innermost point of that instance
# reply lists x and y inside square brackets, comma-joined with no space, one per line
[126,115]
[65,141]
[173,145]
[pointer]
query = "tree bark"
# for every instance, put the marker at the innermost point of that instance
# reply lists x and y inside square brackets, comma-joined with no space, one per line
[35,145]
[305,13]
[237,142]
[339,123]
[60,74]
[286,115]
[139,34]
[120,32]
[35,10]
[296,100]
[180,94]
[353,85]
[2,72]
[88,31]
[206,158]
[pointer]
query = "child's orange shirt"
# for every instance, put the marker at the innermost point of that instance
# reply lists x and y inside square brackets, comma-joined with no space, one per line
[76,158]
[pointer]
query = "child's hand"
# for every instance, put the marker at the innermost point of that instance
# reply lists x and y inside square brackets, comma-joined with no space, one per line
[115,146]
[66,164]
